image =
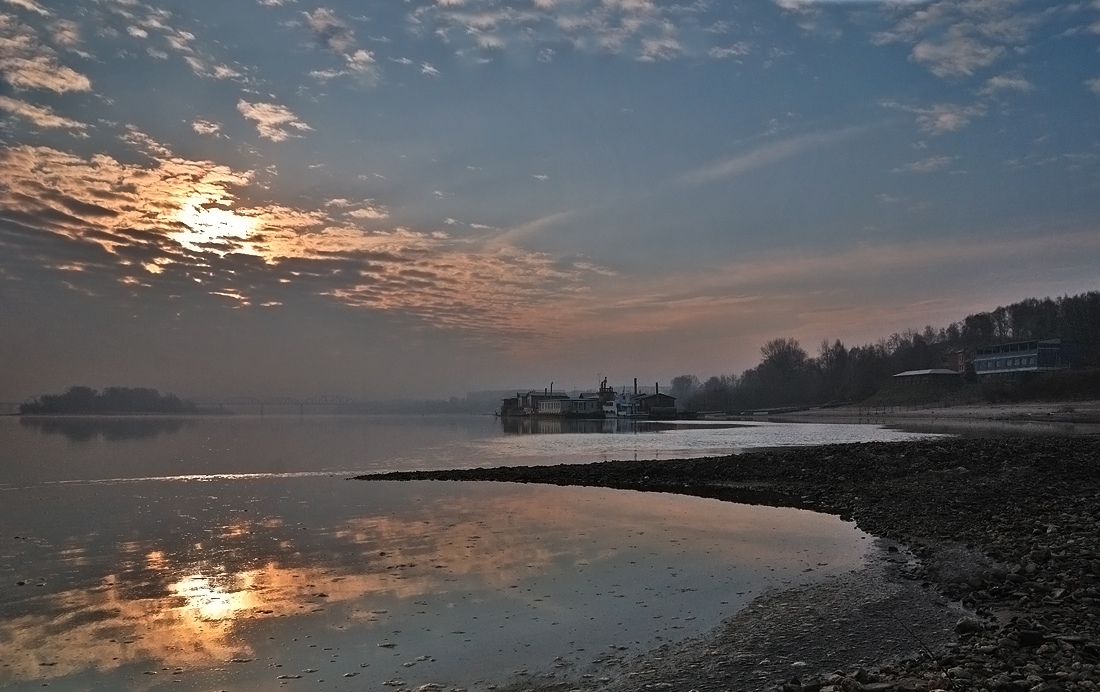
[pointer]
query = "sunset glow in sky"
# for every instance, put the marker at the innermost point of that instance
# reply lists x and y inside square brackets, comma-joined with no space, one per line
[420,198]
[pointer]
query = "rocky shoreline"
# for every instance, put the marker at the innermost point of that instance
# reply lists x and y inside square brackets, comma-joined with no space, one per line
[1004,528]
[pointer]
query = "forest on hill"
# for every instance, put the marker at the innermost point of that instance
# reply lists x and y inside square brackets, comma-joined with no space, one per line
[789,376]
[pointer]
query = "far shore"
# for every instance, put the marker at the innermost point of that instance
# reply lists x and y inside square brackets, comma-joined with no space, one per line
[1031,418]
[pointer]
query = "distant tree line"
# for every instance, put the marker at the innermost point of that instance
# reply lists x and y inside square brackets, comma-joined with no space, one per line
[788,376]
[85,400]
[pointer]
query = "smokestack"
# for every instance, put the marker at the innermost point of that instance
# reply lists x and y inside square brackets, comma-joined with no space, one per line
[635,386]
[551,387]
[656,387]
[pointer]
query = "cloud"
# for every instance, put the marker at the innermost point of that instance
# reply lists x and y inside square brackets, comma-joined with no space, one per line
[144,143]
[957,39]
[65,33]
[928,165]
[362,62]
[180,42]
[335,35]
[39,115]
[959,56]
[646,31]
[27,64]
[331,31]
[517,233]
[326,75]
[737,50]
[794,5]
[369,211]
[30,6]
[767,155]
[1094,85]
[272,120]
[940,118]
[178,226]
[663,48]
[225,72]
[1007,83]
[491,42]
[206,127]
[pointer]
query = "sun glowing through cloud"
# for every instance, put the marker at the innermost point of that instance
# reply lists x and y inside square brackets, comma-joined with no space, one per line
[211,223]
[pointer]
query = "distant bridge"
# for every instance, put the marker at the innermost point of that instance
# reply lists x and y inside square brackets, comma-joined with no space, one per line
[278,402]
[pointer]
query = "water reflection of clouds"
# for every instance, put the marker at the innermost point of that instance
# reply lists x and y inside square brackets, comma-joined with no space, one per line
[197,620]
[193,625]
[201,582]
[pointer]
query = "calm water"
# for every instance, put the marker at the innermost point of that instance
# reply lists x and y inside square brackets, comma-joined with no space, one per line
[230,553]
[73,448]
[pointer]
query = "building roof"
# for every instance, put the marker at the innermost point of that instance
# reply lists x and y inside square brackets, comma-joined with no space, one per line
[1010,346]
[927,373]
[639,397]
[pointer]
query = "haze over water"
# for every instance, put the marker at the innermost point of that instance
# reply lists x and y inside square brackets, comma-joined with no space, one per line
[51,449]
[209,553]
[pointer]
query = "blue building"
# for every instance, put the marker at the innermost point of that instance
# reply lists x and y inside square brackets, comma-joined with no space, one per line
[1026,356]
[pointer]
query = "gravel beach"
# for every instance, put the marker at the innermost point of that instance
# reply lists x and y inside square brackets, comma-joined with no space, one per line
[988,576]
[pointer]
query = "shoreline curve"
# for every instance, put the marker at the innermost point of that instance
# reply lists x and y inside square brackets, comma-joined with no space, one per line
[1001,528]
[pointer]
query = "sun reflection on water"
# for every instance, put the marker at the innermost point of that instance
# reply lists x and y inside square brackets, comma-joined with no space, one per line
[252,584]
[219,598]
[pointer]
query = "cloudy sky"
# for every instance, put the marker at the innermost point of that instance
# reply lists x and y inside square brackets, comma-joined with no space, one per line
[420,198]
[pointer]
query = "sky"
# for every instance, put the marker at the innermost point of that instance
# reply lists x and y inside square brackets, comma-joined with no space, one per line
[422,198]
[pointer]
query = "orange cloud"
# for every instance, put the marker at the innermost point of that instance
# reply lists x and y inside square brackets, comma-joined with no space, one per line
[272,120]
[39,115]
[186,221]
[27,64]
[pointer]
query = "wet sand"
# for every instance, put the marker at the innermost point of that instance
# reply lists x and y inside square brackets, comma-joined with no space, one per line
[995,585]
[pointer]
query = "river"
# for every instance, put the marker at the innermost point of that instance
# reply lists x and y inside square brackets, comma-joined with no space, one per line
[232,553]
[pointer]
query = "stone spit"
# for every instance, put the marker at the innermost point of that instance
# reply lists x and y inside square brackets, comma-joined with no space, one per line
[1003,529]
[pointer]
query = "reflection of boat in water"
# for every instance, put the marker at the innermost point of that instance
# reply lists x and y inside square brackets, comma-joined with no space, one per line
[536,425]
[606,403]
[542,425]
